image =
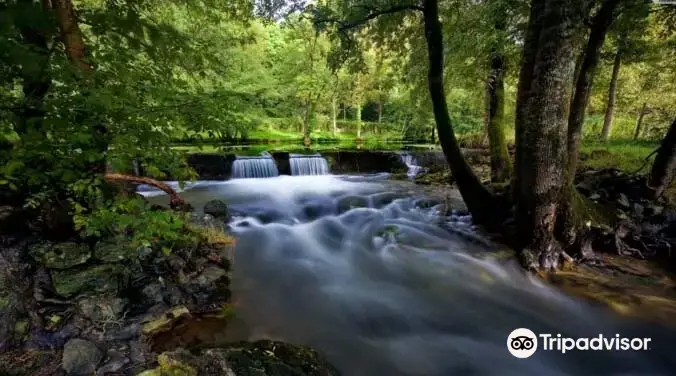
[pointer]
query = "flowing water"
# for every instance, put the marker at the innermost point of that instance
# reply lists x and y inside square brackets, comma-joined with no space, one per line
[308,164]
[375,278]
[254,167]
[413,168]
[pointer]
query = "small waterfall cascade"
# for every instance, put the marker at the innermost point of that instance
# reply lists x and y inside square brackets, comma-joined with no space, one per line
[308,164]
[412,164]
[254,167]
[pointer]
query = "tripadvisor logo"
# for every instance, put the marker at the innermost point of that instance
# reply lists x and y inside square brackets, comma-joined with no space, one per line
[522,343]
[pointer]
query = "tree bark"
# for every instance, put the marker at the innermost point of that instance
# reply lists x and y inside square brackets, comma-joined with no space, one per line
[334,126]
[584,81]
[610,108]
[71,35]
[548,64]
[500,163]
[358,120]
[662,171]
[480,202]
[306,120]
[36,78]
[639,121]
[175,201]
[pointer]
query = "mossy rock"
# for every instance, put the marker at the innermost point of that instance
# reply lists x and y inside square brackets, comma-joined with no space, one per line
[101,278]
[165,321]
[262,358]
[60,255]
[114,250]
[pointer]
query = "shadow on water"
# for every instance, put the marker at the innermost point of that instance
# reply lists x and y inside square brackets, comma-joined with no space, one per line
[386,286]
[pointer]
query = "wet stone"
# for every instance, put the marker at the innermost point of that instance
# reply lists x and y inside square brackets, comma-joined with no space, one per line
[60,255]
[80,357]
[352,202]
[217,209]
[114,251]
[102,308]
[100,278]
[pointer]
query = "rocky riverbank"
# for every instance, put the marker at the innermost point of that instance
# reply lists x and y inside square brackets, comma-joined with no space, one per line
[109,308]
[632,270]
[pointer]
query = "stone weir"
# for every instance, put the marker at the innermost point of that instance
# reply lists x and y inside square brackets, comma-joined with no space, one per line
[225,166]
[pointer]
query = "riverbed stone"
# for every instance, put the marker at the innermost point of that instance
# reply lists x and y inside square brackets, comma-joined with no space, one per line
[102,308]
[210,286]
[60,255]
[80,357]
[101,278]
[115,250]
[217,209]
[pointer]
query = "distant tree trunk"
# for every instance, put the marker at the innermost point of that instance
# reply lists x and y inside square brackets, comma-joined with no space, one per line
[306,120]
[500,163]
[584,81]
[434,138]
[344,112]
[639,121]
[36,81]
[610,108]
[543,104]
[334,125]
[480,202]
[380,111]
[662,172]
[358,120]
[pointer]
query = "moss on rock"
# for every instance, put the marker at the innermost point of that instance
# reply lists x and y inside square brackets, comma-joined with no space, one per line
[101,278]
[115,250]
[60,255]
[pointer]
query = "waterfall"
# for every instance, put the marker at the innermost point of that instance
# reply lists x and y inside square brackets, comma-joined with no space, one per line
[254,167]
[308,164]
[412,164]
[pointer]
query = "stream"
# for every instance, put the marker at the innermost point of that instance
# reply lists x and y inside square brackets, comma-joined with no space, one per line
[371,274]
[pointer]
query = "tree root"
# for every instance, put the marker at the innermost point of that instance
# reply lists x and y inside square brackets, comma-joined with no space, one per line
[175,201]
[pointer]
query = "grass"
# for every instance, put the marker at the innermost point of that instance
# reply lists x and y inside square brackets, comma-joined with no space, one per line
[626,155]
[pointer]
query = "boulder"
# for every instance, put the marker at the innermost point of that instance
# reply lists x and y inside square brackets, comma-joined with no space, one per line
[80,357]
[211,286]
[217,209]
[60,255]
[352,202]
[112,251]
[101,278]
[102,308]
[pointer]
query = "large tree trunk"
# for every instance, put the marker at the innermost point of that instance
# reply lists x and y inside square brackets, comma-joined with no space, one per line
[584,81]
[665,162]
[612,92]
[480,202]
[548,63]
[639,121]
[500,163]
[76,51]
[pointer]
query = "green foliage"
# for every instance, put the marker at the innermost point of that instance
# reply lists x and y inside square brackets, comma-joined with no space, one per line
[133,218]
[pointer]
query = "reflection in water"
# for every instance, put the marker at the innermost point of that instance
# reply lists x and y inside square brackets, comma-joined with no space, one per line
[383,285]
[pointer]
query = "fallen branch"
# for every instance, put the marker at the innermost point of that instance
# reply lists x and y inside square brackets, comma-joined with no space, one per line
[175,201]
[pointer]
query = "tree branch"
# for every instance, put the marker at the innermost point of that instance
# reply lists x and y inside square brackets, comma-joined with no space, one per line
[372,15]
[175,201]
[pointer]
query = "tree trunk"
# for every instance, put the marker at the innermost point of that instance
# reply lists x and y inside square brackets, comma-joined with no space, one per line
[71,35]
[306,120]
[344,112]
[500,163]
[36,78]
[639,121]
[584,81]
[665,162]
[434,138]
[610,109]
[334,126]
[358,120]
[380,112]
[480,202]
[548,64]
[76,51]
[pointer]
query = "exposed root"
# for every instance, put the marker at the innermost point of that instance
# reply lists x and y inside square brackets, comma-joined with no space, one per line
[175,201]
